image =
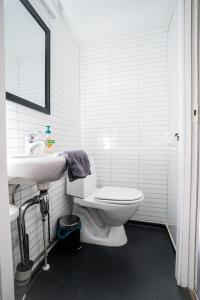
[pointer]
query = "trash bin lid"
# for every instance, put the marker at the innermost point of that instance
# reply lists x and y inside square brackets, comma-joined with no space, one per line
[69,221]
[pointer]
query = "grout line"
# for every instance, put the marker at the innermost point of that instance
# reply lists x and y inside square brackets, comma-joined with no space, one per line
[168,129]
[93,44]
[110,113]
[138,121]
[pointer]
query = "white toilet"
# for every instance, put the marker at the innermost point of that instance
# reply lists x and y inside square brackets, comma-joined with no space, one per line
[103,211]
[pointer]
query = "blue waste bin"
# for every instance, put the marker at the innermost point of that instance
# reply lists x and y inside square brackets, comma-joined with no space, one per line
[68,233]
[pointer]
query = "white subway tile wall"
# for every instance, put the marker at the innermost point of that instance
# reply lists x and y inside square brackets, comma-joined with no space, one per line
[12,71]
[65,121]
[125,116]
[175,95]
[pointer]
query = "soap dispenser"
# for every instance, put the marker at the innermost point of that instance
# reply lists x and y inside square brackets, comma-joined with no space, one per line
[49,141]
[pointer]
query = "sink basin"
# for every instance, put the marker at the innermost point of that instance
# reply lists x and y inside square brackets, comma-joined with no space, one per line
[39,169]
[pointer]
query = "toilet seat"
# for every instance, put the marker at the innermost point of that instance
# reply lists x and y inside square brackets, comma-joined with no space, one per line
[118,195]
[94,201]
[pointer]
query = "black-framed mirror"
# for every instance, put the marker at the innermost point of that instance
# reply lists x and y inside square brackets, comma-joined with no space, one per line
[27,52]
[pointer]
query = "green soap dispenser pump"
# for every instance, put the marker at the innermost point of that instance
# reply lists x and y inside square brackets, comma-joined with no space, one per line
[49,141]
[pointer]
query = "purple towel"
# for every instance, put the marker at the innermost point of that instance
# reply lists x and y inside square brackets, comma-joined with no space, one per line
[77,164]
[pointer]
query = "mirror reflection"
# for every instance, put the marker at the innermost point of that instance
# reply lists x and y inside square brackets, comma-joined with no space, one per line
[25,54]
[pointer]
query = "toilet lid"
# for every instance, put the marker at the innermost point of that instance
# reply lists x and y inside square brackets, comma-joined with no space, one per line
[120,194]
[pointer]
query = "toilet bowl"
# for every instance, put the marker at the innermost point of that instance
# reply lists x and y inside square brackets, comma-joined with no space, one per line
[103,211]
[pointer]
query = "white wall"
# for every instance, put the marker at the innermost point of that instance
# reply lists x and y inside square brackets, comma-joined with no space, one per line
[65,121]
[6,274]
[175,88]
[124,108]
[12,71]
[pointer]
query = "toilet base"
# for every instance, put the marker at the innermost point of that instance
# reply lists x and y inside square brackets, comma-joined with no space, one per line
[94,231]
[116,237]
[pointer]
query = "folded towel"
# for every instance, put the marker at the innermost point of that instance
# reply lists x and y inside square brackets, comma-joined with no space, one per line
[77,164]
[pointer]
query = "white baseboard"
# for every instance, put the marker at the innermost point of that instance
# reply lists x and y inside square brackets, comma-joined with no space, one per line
[171,238]
[158,223]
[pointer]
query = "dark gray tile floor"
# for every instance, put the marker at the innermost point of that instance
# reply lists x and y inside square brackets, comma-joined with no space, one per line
[141,270]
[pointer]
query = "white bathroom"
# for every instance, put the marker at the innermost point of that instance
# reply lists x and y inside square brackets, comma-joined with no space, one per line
[99,156]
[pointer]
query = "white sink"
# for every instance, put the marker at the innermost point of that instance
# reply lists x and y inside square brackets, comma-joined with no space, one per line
[39,169]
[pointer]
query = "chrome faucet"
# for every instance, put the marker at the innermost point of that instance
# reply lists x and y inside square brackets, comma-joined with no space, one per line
[32,144]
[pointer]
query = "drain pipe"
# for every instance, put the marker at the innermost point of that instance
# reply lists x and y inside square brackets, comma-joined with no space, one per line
[25,238]
[44,209]
[24,268]
[14,188]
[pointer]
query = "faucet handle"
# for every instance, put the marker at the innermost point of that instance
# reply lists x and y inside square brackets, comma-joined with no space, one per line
[31,136]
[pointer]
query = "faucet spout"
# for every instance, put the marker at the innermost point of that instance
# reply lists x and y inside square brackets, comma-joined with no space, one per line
[33,145]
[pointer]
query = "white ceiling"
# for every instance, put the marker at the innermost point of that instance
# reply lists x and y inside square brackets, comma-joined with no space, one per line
[96,20]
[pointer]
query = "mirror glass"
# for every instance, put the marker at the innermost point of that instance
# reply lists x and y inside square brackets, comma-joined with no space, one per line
[25,55]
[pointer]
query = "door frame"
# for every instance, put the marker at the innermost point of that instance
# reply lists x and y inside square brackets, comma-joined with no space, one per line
[6,261]
[189,159]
